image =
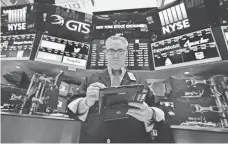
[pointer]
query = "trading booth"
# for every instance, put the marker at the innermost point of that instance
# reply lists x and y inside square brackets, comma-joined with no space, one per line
[180,50]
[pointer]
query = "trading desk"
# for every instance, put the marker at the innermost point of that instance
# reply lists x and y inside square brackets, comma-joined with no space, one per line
[191,134]
[16,128]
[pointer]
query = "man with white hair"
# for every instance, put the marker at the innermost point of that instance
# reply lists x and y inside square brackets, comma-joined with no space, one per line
[84,106]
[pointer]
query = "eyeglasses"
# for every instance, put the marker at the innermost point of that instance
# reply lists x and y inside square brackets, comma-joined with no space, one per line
[112,52]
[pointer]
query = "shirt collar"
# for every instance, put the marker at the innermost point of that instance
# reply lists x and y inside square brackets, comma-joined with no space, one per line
[123,69]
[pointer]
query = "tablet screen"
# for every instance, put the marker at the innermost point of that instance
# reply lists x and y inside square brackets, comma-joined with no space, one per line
[114,101]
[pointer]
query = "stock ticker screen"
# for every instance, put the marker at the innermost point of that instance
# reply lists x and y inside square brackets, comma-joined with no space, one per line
[17,46]
[137,57]
[63,51]
[192,48]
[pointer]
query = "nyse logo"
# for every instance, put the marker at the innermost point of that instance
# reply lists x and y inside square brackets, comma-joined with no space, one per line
[72,24]
[174,18]
[16,19]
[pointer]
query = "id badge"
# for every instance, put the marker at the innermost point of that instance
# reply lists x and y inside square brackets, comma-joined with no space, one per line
[155,132]
[131,76]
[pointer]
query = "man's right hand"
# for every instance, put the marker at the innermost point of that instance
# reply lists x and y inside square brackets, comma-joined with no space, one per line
[92,94]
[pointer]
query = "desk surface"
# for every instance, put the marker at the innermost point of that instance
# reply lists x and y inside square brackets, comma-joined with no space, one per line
[209,129]
[191,134]
[37,116]
[25,128]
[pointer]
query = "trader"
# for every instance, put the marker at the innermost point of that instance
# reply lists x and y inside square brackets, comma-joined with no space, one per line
[84,106]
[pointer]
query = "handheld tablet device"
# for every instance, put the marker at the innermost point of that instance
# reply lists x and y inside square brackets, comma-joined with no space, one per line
[113,101]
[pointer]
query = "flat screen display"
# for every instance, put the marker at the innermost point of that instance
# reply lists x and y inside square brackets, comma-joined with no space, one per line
[51,48]
[63,51]
[64,88]
[137,57]
[17,19]
[64,23]
[178,18]
[226,36]
[192,48]
[128,25]
[17,46]
[76,53]
[225,32]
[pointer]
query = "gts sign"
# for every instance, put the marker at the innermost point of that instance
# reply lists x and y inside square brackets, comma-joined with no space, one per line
[72,24]
[174,18]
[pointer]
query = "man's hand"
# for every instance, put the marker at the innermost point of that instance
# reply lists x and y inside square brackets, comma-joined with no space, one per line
[142,111]
[92,93]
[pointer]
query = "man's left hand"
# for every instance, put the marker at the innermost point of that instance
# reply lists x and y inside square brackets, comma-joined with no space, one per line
[142,111]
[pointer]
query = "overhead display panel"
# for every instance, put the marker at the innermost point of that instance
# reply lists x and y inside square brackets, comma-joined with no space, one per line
[63,52]
[225,34]
[16,47]
[110,5]
[131,26]
[64,23]
[217,11]
[66,34]
[177,18]
[137,57]
[51,48]
[17,19]
[223,12]
[76,53]
[192,48]
[127,25]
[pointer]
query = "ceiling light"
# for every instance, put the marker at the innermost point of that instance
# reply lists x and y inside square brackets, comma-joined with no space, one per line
[18,67]
[186,73]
